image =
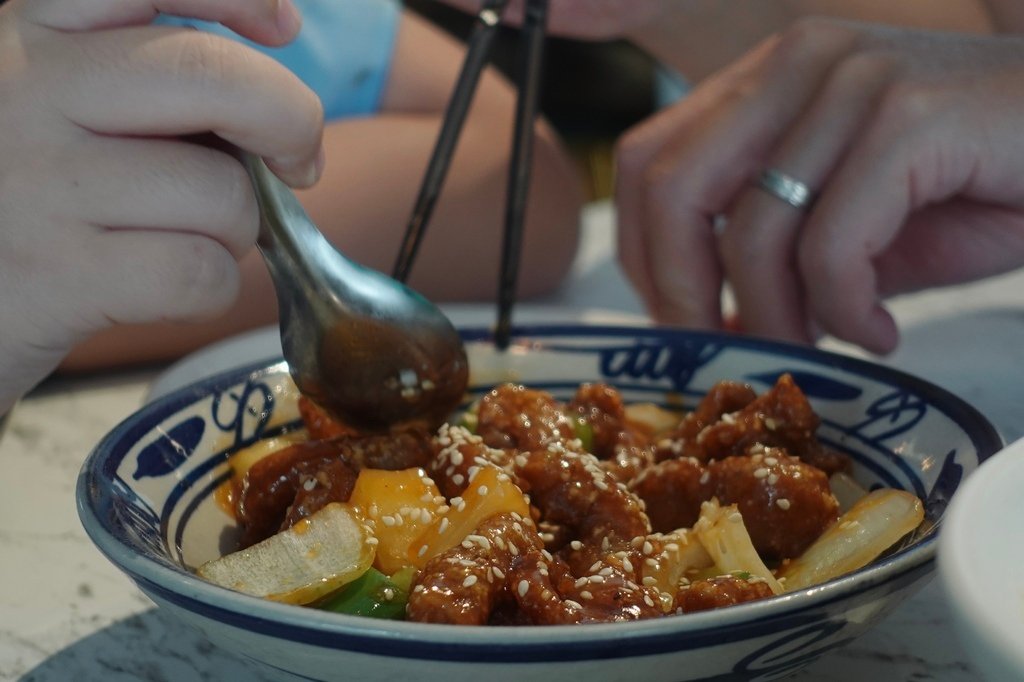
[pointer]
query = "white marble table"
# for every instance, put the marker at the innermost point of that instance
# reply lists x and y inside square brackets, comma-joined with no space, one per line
[68,614]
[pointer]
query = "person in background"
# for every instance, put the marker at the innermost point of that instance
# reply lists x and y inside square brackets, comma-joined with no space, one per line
[384,76]
[829,167]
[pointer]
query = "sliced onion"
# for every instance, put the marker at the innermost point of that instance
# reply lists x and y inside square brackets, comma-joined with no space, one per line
[874,524]
[724,535]
[310,560]
[654,418]
[846,490]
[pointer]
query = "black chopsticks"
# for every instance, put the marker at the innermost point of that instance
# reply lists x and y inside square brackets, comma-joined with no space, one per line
[478,47]
[527,105]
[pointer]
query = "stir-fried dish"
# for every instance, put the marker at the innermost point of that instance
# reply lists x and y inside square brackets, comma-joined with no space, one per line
[531,510]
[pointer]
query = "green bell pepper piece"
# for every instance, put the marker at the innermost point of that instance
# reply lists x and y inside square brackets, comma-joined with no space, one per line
[373,594]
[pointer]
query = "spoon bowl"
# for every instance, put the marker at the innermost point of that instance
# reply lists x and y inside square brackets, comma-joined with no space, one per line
[363,346]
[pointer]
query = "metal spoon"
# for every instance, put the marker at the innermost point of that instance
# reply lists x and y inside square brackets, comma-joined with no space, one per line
[363,346]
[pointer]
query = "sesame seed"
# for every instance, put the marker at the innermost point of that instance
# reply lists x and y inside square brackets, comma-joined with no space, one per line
[574,605]
[469,581]
[595,567]
[443,526]
[389,594]
[761,473]
[372,541]
[782,503]
[627,565]
[498,573]
[773,479]
[457,479]
[576,545]
[580,582]
[388,520]
[586,594]
[523,588]
[649,581]
[482,490]
[648,600]
[705,477]
[648,548]
[456,457]
[423,550]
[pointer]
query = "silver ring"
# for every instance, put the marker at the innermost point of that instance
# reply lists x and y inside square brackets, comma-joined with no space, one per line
[785,187]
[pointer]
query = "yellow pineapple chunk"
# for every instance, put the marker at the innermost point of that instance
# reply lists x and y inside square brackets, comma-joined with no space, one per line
[400,505]
[490,492]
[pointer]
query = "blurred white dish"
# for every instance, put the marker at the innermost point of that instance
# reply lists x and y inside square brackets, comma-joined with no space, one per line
[980,560]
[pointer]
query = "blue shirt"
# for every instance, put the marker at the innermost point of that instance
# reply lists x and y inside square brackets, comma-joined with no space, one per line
[343,52]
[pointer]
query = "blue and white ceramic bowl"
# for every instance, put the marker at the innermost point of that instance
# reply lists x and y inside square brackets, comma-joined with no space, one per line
[146,497]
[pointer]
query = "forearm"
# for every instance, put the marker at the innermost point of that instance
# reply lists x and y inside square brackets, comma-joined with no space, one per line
[698,37]
[370,184]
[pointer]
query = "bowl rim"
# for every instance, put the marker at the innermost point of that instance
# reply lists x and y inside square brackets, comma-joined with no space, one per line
[177,584]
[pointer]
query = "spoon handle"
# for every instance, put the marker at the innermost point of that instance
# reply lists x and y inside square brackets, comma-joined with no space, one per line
[295,251]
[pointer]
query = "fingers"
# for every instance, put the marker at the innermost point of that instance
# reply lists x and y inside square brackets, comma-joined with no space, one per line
[122,230]
[724,130]
[138,276]
[271,22]
[150,185]
[762,238]
[868,200]
[185,82]
[665,244]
